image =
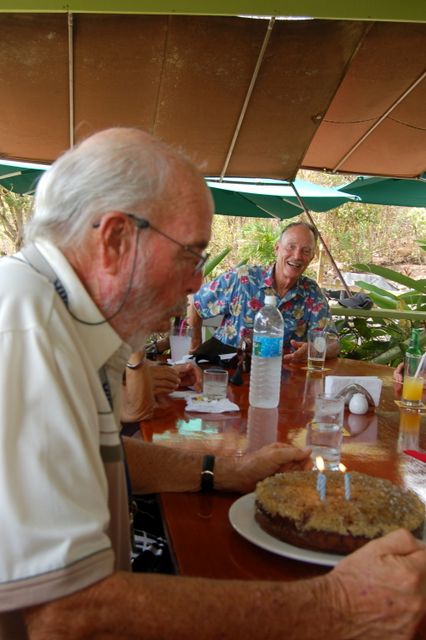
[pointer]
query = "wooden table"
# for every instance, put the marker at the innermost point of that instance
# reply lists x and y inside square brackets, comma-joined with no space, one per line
[202,540]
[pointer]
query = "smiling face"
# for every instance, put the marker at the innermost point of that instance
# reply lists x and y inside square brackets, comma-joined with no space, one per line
[294,252]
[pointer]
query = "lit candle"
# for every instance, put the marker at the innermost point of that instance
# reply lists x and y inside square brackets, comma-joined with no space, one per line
[347,481]
[321,479]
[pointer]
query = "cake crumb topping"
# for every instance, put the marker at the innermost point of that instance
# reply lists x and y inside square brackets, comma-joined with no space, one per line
[376,506]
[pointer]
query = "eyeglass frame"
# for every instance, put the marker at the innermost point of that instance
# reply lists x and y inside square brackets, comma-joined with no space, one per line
[143,223]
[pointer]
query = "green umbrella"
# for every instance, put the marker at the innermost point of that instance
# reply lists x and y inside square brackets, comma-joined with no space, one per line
[394,191]
[249,198]
[20,177]
[273,198]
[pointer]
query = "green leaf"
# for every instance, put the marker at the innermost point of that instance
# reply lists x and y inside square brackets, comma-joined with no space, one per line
[383,301]
[362,327]
[213,262]
[371,287]
[410,297]
[390,274]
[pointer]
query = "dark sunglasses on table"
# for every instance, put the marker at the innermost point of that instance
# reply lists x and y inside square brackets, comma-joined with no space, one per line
[142,223]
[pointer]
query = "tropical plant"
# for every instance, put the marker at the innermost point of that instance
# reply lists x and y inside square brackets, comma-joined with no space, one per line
[214,261]
[384,340]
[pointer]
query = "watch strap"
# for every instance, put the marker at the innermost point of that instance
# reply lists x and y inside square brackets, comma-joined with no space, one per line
[207,474]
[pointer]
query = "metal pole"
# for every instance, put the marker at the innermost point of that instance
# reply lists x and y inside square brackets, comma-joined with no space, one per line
[311,220]
[71,77]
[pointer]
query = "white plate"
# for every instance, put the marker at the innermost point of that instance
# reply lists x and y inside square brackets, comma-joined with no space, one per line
[241,516]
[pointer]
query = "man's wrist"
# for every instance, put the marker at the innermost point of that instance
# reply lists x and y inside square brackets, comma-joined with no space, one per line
[136,360]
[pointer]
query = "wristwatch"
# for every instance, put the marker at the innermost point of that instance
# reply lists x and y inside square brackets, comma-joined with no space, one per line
[207,474]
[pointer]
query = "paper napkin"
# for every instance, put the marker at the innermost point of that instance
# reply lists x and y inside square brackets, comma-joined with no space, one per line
[372,384]
[201,404]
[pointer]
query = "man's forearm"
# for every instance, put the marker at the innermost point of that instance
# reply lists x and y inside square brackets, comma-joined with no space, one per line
[196,323]
[154,469]
[128,606]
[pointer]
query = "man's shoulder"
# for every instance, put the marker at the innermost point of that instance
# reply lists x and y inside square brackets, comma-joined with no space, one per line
[241,272]
[308,284]
[26,295]
[253,271]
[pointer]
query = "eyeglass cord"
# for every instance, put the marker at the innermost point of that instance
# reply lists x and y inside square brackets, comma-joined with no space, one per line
[30,251]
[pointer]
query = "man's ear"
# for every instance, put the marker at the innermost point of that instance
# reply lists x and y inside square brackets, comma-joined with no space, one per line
[116,233]
[276,246]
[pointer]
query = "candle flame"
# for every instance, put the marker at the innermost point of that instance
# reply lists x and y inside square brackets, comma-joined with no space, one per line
[342,467]
[320,463]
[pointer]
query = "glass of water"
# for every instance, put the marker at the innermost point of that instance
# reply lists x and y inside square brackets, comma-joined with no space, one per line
[215,383]
[325,431]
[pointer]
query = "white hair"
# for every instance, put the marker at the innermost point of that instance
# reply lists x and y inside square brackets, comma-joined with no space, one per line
[119,169]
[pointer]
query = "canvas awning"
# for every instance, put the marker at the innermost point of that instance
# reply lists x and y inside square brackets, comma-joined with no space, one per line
[241,97]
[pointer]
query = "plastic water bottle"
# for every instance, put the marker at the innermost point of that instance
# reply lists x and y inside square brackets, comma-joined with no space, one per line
[265,375]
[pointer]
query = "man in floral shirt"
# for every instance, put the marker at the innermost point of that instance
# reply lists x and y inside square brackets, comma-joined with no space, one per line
[238,295]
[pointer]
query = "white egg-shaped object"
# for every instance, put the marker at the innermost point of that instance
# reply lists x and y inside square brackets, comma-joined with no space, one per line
[358,404]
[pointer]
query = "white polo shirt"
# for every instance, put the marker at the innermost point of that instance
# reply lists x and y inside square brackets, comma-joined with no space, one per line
[63,500]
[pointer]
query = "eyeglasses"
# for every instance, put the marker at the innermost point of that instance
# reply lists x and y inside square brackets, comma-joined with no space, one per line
[142,223]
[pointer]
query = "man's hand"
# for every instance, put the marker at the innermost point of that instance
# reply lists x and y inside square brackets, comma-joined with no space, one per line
[189,375]
[382,587]
[242,473]
[300,353]
[398,374]
[166,379]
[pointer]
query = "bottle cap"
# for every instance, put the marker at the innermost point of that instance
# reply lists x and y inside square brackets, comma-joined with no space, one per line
[271,300]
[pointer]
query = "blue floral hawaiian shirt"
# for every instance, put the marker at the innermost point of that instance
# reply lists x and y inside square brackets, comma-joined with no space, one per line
[238,295]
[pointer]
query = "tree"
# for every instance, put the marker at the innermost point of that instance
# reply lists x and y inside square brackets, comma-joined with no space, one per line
[14,212]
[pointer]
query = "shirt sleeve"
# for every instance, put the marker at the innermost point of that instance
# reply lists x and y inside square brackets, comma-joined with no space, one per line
[214,297]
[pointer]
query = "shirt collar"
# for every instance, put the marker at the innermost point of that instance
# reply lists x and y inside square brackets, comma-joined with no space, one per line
[296,289]
[101,341]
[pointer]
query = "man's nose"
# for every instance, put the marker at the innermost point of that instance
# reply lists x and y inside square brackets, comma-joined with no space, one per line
[194,283]
[298,253]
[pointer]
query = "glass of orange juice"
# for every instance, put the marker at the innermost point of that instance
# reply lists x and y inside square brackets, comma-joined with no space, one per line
[412,389]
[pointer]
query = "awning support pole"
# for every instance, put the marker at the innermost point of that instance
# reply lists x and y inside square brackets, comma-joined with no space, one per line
[247,98]
[71,78]
[311,220]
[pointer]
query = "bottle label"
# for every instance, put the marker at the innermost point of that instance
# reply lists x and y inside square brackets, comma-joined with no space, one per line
[267,346]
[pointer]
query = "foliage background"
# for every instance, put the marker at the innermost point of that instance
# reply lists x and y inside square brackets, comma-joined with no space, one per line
[383,235]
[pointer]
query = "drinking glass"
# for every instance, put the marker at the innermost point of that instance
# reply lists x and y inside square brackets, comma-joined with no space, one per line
[317,348]
[412,388]
[325,431]
[180,341]
[215,383]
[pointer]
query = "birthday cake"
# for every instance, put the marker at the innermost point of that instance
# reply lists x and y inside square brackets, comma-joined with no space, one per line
[289,507]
